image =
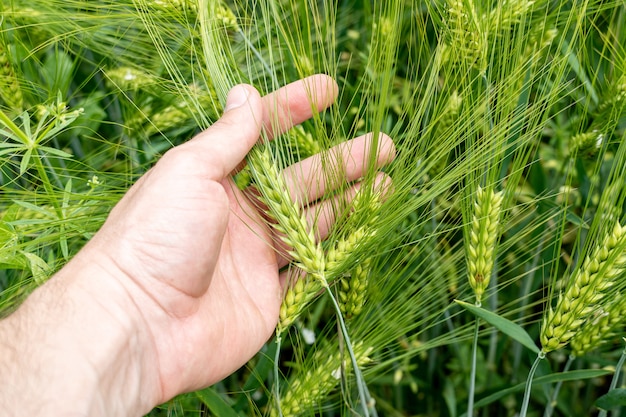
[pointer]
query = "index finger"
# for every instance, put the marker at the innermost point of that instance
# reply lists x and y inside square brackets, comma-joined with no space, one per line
[297,102]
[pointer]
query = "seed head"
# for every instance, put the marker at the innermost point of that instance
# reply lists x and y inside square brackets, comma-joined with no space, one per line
[602,326]
[585,295]
[10,90]
[308,388]
[483,235]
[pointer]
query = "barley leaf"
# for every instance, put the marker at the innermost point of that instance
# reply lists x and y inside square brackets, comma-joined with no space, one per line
[548,379]
[38,267]
[26,161]
[612,399]
[504,325]
[55,152]
[576,66]
[215,403]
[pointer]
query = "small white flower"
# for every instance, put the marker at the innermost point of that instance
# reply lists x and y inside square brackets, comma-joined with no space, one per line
[94,181]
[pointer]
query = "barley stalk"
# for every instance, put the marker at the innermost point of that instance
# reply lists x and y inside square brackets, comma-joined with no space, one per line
[449,116]
[585,294]
[306,391]
[483,235]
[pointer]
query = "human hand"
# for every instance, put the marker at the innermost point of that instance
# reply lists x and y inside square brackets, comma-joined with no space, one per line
[189,268]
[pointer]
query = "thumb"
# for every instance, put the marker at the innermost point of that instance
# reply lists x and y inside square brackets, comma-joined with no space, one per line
[228,141]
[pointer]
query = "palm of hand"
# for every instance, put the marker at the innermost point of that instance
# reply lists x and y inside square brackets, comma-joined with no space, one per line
[198,261]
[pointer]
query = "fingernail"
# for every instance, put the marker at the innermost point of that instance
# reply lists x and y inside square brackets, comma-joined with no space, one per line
[237,97]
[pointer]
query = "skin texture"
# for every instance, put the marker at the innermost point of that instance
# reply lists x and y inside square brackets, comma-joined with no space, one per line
[181,286]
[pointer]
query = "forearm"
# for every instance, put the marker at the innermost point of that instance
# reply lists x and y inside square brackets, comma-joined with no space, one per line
[66,353]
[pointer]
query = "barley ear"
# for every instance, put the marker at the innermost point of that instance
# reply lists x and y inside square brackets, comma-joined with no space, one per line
[353,289]
[605,324]
[10,90]
[483,235]
[586,144]
[305,391]
[292,227]
[466,41]
[584,296]
[301,291]
[290,221]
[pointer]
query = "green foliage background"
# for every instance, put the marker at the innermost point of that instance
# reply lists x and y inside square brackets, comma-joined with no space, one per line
[524,97]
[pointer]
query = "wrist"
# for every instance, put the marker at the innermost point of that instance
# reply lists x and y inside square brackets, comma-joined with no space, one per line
[77,346]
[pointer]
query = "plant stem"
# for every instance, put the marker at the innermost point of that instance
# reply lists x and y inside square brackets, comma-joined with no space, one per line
[279,339]
[529,382]
[19,133]
[555,394]
[45,180]
[618,370]
[472,387]
[364,395]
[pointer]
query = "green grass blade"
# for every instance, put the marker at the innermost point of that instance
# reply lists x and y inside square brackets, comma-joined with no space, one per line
[504,325]
[548,379]
[215,403]
[612,399]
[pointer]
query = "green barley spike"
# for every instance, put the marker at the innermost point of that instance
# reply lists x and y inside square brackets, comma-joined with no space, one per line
[301,291]
[353,289]
[450,114]
[290,220]
[226,16]
[10,90]
[615,98]
[127,78]
[509,13]
[483,235]
[303,142]
[606,324]
[465,38]
[306,390]
[167,118]
[364,217]
[584,296]
[586,144]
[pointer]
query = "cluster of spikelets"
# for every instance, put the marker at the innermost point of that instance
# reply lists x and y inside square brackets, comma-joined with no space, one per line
[313,268]
[466,39]
[589,142]
[306,391]
[146,119]
[585,297]
[483,234]
[223,13]
[469,30]
[10,91]
[604,325]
